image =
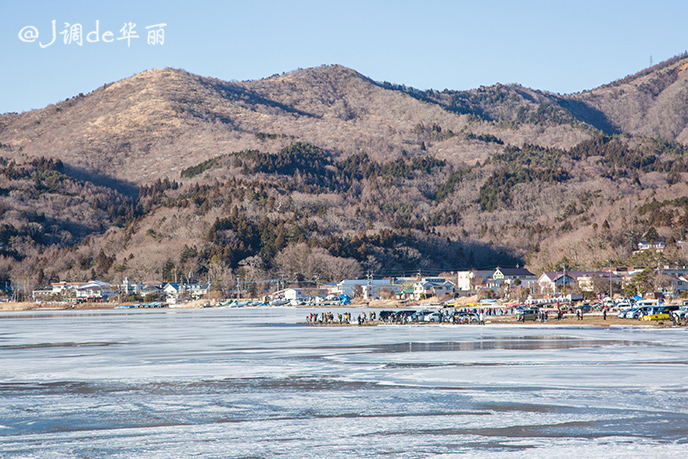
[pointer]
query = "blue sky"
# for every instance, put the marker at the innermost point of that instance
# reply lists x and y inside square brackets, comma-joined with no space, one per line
[553,45]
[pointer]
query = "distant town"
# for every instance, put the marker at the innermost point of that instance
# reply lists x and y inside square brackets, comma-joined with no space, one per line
[500,285]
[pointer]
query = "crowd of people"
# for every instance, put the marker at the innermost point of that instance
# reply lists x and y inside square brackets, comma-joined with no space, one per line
[339,318]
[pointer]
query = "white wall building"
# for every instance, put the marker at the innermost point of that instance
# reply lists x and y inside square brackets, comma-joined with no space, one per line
[350,287]
[432,286]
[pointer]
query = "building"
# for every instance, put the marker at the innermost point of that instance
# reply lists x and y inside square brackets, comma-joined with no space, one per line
[130,288]
[294,294]
[679,284]
[94,291]
[150,289]
[175,291]
[510,278]
[657,246]
[552,283]
[513,274]
[44,293]
[432,286]
[473,279]
[65,288]
[86,291]
[354,287]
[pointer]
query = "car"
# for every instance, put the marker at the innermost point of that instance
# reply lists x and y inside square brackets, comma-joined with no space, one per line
[527,314]
[637,313]
[585,308]
[385,315]
[622,314]
[404,316]
[433,317]
[681,313]
[657,316]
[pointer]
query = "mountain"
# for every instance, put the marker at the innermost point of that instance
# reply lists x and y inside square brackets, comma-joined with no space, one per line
[323,172]
[653,102]
[160,121]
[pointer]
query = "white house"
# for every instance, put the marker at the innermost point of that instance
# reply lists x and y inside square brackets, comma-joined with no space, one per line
[92,290]
[350,287]
[432,286]
[175,291]
[550,283]
[657,246]
[65,288]
[473,279]
[95,291]
[512,274]
[294,294]
[131,288]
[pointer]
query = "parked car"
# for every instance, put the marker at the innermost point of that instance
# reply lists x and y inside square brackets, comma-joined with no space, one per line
[386,315]
[681,313]
[623,312]
[527,314]
[657,316]
[643,311]
[433,317]
[405,315]
[585,308]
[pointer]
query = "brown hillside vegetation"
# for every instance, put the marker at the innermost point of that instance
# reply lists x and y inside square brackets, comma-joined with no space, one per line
[322,173]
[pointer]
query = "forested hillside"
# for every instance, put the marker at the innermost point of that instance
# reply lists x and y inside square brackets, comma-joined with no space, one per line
[323,173]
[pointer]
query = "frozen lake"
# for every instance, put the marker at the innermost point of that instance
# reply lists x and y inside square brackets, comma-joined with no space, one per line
[252,382]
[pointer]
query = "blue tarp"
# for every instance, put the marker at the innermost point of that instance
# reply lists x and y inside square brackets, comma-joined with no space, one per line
[637,298]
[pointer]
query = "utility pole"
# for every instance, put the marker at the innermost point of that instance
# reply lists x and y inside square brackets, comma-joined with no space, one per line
[611,293]
[370,284]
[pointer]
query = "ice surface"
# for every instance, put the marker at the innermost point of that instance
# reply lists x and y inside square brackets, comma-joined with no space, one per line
[254,382]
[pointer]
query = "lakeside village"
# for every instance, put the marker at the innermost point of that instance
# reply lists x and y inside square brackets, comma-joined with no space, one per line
[455,297]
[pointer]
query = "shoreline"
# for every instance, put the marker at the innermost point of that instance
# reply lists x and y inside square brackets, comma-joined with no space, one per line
[589,320]
[592,322]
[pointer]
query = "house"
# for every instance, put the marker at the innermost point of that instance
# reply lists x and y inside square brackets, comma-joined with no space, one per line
[198,290]
[473,279]
[294,294]
[173,291]
[94,291]
[508,277]
[380,291]
[351,287]
[176,291]
[130,288]
[657,246]
[43,293]
[432,286]
[149,289]
[65,288]
[86,291]
[512,274]
[550,283]
[679,284]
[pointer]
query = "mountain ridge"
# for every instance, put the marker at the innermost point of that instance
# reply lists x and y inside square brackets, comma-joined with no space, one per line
[187,173]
